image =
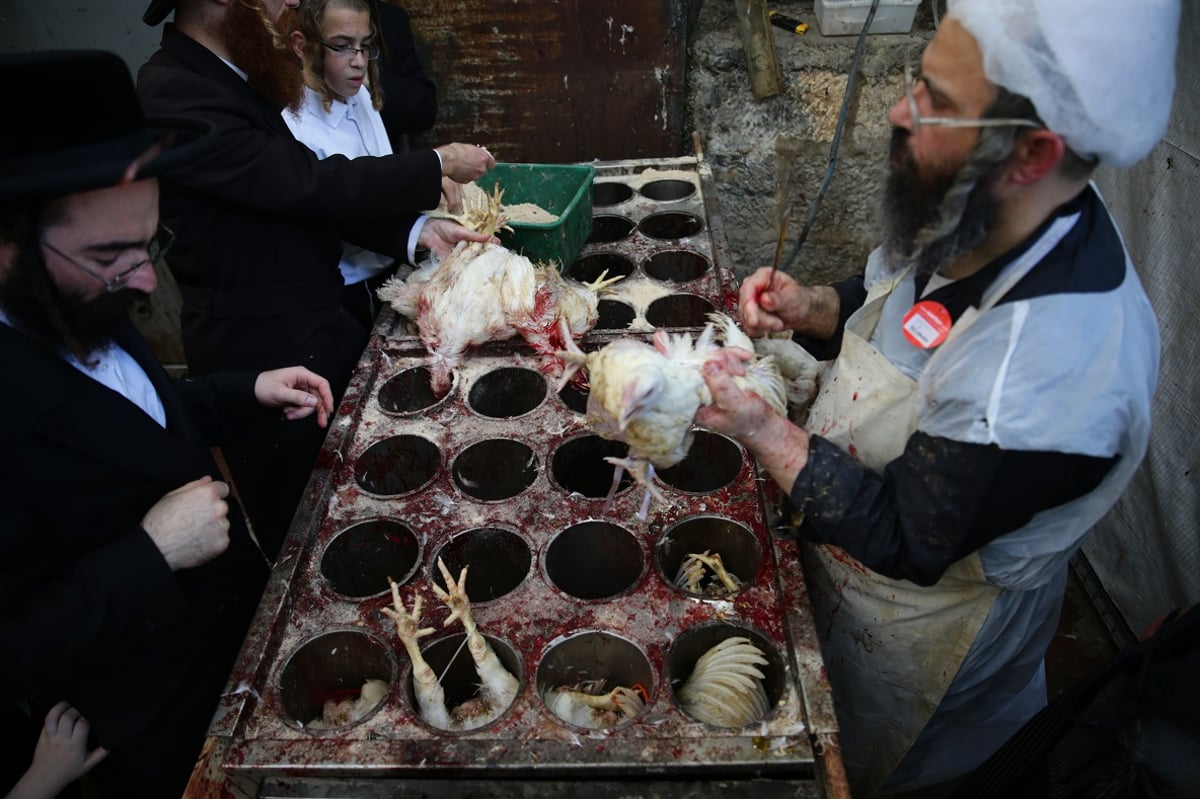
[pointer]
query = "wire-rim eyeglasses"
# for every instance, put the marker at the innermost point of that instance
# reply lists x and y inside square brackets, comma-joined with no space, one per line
[371,51]
[952,122]
[155,249]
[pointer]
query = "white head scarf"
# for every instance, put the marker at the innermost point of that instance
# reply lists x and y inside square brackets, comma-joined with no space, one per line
[1101,73]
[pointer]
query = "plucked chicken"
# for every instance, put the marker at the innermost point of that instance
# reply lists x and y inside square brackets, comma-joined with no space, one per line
[587,705]
[484,292]
[725,688]
[497,687]
[647,396]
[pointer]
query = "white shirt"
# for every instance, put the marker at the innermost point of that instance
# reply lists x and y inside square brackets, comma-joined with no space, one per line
[352,128]
[116,369]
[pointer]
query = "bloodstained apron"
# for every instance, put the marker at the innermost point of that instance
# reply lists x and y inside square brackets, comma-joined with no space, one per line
[891,647]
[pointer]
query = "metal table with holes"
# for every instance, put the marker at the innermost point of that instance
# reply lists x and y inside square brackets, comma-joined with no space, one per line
[502,475]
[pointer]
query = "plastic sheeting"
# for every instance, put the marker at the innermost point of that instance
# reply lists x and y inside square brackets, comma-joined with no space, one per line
[1146,551]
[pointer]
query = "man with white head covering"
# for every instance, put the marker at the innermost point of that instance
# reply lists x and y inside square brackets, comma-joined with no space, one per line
[991,396]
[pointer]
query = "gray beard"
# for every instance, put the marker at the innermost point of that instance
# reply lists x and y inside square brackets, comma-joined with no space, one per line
[929,223]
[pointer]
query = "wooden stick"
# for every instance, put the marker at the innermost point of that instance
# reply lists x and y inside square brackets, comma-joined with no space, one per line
[758,41]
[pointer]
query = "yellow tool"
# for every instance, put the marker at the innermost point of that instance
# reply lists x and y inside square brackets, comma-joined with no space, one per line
[787,23]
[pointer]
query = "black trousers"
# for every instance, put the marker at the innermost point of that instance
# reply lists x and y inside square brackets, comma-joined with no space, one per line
[360,298]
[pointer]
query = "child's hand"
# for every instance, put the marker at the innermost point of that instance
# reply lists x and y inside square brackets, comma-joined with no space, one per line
[61,756]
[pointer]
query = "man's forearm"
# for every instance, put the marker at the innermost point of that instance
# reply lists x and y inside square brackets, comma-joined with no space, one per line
[822,318]
[781,448]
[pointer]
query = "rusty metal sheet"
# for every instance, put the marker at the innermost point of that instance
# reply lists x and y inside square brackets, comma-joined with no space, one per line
[555,82]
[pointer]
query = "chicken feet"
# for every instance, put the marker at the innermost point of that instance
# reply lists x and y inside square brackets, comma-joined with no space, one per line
[696,567]
[431,699]
[497,688]
[578,705]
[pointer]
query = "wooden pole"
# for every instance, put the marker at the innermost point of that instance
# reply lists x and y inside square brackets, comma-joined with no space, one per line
[758,40]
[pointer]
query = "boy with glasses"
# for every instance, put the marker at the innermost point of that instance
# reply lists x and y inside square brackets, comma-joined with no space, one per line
[339,46]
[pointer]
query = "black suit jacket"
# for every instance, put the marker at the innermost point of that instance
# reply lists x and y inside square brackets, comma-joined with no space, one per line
[409,95]
[90,612]
[259,222]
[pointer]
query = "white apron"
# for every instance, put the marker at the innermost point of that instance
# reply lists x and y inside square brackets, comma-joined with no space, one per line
[891,647]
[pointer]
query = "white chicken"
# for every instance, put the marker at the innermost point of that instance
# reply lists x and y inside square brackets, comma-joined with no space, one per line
[339,713]
[725,688]
[484,292]
[801,372]
[585,706]
[646,396]
[497,689]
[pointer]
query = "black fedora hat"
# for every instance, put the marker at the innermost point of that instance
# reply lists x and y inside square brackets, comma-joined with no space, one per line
[83,128]
[157,11]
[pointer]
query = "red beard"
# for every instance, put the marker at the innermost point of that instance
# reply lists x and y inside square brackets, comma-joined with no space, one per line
[259,46]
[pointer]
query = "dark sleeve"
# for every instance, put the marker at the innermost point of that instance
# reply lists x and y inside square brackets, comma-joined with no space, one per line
[57,607]
[223,405]
[409,95]
[852,293]
[939,501]
[265,168]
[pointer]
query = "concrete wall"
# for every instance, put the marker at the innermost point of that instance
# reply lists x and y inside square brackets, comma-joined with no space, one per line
[1147,550]
[84,24]
[755,147]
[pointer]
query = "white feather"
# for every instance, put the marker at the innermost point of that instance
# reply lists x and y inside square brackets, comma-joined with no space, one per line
[725,688]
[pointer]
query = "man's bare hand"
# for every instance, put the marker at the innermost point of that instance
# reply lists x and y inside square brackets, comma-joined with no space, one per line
[298,391]
[440,235]
[771,302]
[190,525]
[452,197]
[465,162]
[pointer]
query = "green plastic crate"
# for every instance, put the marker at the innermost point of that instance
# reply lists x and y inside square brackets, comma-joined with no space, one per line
[562,189]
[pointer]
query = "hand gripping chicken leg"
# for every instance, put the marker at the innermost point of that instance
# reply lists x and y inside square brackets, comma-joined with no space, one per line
[647,394]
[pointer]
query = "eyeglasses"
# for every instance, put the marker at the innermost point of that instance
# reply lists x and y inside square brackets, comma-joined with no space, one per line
[952,122]
[371,51]
[155,249]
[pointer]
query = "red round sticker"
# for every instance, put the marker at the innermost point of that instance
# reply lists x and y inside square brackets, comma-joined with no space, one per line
[927,324]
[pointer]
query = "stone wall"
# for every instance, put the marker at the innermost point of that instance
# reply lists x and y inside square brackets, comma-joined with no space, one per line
[754,146]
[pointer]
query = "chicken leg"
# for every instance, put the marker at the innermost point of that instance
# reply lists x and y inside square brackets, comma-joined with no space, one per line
[430,697]
[499,687]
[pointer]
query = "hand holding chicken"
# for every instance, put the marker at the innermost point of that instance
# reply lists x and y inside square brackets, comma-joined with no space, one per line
[483,292]
[647,396]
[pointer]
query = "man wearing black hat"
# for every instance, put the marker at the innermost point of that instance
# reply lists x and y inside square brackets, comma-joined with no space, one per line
[127,576]
[260,223]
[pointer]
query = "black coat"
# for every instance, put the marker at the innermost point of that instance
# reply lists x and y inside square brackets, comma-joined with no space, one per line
[409,95]
[90,612]
[259,225]
[259,222]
